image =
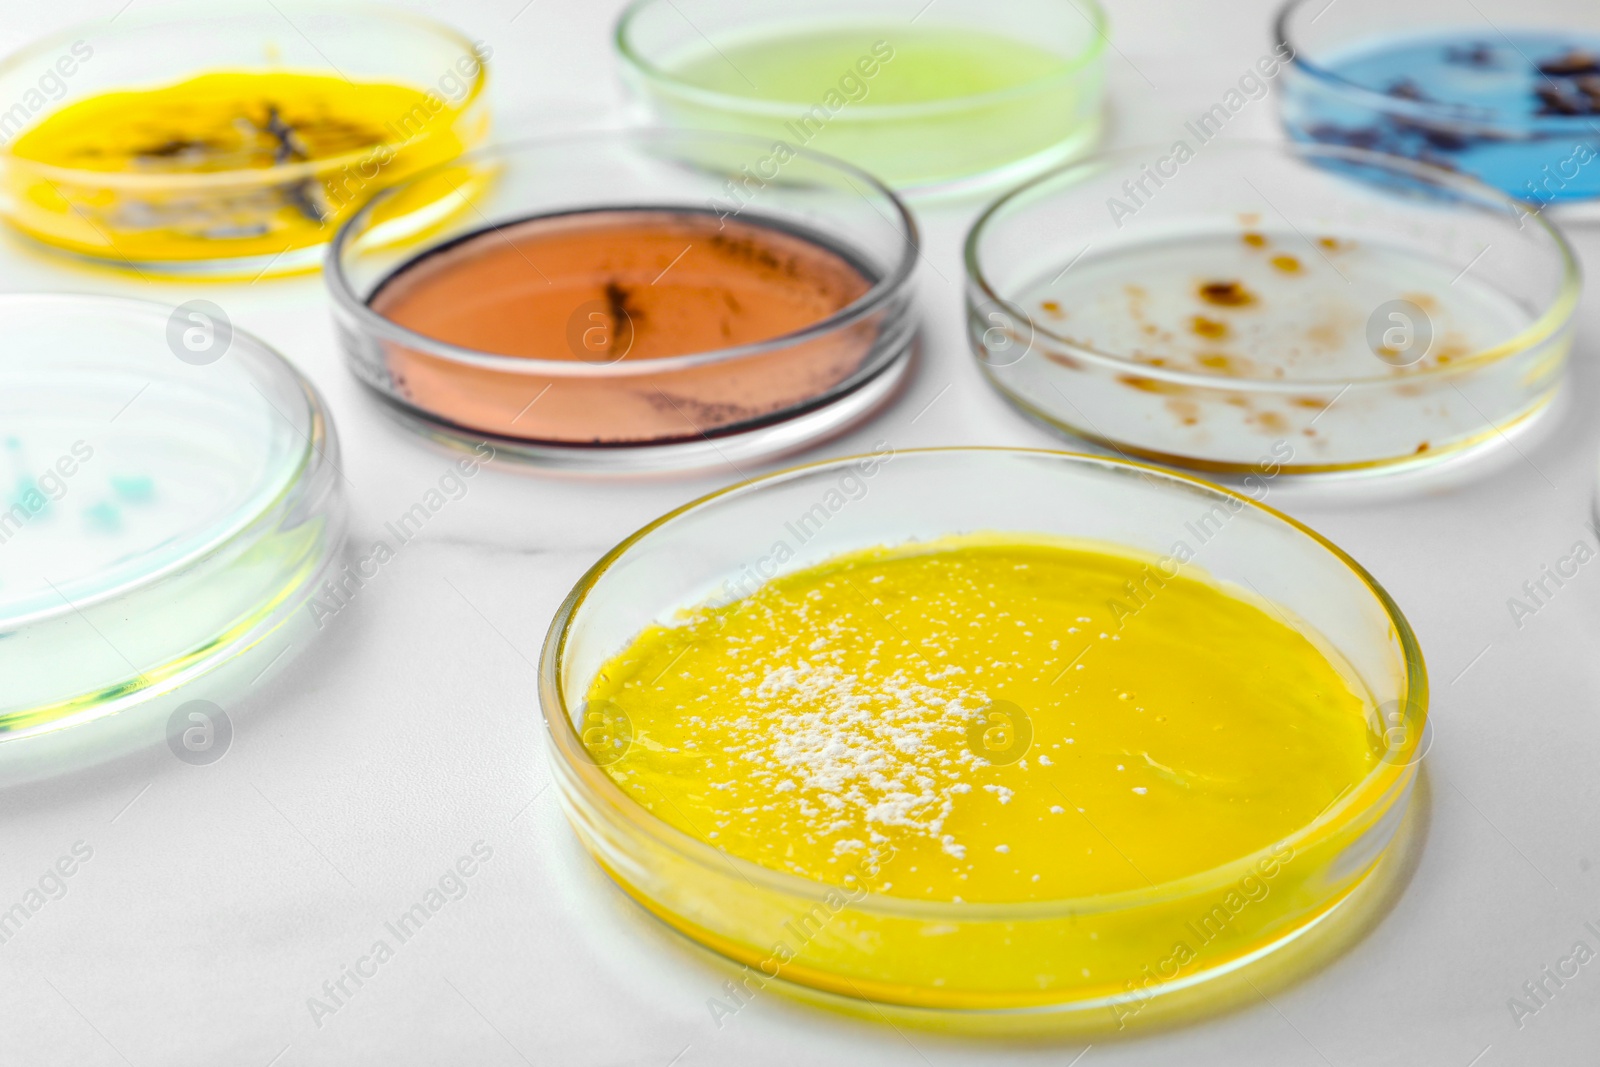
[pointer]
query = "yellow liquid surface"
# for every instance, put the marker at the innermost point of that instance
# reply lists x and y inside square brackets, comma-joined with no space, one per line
[224,122]
[824,725]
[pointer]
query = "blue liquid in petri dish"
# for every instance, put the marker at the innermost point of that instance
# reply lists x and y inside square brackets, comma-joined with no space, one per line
[1519,112]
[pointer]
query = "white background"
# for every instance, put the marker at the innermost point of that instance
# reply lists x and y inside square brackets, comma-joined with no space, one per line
[219,898]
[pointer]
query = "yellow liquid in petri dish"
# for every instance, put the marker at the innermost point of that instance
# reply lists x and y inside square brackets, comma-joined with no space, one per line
[989,720]
[189,168]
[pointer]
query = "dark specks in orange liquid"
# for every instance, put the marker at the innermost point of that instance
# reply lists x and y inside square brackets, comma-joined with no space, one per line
[1228,294]
[1287,264]
[1210,328]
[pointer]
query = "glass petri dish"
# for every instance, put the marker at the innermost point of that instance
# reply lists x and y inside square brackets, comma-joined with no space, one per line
[171,502]
[932,98]
[1506,92]
[243,160]
[1255,309]
[631,300]
[1087,956]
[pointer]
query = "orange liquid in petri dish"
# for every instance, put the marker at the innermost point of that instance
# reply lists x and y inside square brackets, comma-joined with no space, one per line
[608,291]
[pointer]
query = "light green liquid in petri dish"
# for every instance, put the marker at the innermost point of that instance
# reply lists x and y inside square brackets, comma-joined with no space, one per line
[917,107]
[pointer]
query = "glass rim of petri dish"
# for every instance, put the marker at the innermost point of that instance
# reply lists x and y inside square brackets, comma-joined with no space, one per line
[240,574]
[630,54]
[1433,112]
[195,12]
[891,286]
[581,780]
[1059,182]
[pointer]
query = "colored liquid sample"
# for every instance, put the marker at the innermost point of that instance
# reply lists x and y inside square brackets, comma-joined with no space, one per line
[914,106]
[1262,307]
[613,286]
[157,518]
[190,167]
[1517,111]
[920,67]
[988,719]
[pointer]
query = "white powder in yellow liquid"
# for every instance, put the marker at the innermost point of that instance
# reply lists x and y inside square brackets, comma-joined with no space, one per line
[825,725]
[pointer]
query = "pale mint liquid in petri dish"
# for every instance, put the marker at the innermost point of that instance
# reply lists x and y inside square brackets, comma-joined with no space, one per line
[922,107]
[160,517]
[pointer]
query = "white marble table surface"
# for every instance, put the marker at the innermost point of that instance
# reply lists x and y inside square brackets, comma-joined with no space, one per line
[220,898]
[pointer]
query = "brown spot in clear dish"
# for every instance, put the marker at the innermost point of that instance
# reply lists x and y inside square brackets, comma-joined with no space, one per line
[1274,421]
[1152,385]
[1254,240]
[1309,432]
[1188,411]
[1287,264]
[1333,244]
[1053,309]
[1219,361]
[1425,301]
[1314,403]
[1229,294]
[1249,218]
[1326,334]
[1210,328]
[1423,447]
[1062,359]
[1454,347]
[1238,400]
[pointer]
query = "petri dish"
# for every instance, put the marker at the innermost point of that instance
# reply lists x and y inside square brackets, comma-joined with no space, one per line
[170,503]
[632,300]
[933,99]
[243,160]
[1265,310]
[861,924]
[1508,93]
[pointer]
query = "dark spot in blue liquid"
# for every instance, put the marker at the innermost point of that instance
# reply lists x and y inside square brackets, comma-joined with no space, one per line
[1521,113]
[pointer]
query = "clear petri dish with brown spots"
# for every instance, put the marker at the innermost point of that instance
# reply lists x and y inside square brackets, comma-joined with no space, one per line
[1254,309]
